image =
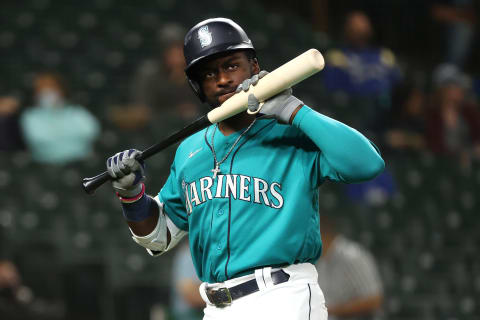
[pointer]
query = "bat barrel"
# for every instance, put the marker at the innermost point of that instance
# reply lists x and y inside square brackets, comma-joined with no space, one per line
[285,76]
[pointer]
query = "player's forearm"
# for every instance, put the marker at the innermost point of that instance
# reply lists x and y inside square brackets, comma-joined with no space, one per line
[353,156]
[145,226]
[157,233]
[356,308]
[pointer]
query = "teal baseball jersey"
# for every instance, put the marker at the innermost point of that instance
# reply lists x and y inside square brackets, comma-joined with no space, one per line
[261,209]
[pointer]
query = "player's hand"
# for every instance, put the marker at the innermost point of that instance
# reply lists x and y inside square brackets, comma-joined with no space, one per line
[127,172]
[280,106]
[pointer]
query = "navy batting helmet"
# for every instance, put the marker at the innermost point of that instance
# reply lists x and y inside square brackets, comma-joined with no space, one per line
[210,37]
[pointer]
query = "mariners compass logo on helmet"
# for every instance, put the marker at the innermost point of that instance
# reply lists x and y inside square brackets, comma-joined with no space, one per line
[204,36]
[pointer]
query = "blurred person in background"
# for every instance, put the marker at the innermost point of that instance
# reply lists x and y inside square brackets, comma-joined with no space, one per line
[9,279]
[10,134]
[187,303]
[373,193]
[160,89]
[453,121]
[348,275]
[57,131]
[17,301]
[406,125]
[10,282]
[13,296]
[362,72]
[459,19]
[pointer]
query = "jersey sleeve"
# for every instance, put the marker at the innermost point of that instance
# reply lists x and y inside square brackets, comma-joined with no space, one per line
[343,153]
[173,199]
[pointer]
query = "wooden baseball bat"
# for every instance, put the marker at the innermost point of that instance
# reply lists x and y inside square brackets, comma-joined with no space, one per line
[285,76]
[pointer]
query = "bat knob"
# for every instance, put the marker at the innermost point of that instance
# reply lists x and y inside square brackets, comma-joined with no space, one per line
[91,184]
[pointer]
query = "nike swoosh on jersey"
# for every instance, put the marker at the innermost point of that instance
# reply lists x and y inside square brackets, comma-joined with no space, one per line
[193,153]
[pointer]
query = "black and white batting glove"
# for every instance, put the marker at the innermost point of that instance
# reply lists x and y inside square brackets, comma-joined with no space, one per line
[128,173]
[280,106]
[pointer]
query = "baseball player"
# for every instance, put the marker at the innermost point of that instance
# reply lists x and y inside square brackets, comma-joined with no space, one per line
[246,190]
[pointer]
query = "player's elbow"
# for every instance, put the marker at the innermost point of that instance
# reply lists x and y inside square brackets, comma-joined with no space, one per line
[374,168]
[372,164]
[367,170]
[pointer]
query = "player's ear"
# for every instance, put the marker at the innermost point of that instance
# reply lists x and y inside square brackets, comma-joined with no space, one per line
[254,67]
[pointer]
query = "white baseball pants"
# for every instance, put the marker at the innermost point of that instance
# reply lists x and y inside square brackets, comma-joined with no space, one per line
[298,298]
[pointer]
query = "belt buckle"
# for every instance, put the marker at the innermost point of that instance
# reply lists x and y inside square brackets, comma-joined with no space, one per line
[219,297]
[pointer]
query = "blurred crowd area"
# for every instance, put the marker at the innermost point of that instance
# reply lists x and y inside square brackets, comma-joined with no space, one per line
[82,80]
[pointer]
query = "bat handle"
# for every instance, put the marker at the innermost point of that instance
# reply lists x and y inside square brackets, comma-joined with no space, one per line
[91,184]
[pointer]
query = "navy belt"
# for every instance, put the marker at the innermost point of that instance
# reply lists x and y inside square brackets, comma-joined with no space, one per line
[222,297]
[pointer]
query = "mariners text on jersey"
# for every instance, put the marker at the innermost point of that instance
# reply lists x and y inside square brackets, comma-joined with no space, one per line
[239,187]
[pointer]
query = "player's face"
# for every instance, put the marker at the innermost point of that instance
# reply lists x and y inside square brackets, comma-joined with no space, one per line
[220,76]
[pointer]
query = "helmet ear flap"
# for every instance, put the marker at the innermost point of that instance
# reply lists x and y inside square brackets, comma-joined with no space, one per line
[196,88]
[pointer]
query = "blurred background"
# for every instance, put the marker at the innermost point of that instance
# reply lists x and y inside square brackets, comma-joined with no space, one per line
[82,80]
